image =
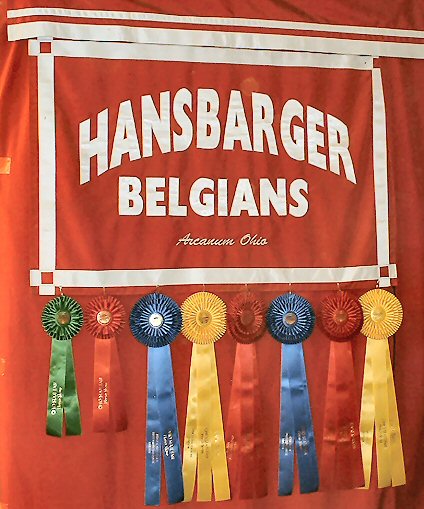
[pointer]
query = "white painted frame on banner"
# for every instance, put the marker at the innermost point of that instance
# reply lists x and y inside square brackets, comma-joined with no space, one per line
[221,275]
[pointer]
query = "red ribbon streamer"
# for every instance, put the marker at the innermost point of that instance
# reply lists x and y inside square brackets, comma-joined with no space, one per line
[244,431]
[107,369]
[341,460]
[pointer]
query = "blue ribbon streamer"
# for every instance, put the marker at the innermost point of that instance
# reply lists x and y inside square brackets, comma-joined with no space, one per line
[286,471]
[296,426]
[162,434]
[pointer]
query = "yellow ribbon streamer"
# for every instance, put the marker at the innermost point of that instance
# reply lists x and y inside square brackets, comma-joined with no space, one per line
[398,465]
[191,444]
[366,424]
[204,446]
[205,411]
[381,404]
[221,483]
[379,410]
[382,318]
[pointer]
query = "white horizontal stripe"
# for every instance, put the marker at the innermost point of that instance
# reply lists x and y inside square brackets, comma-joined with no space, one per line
[211,38]
[131,51]
[168,277]
[204,20]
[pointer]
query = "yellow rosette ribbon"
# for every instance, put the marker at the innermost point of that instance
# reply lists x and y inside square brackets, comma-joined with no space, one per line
[204,322]
[382,318]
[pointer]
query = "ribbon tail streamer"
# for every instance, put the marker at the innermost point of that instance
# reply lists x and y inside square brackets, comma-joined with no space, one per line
[191,439]
[366,423]
[71,403]
[398,466]
[328,453]
[287,431]
[244,430]
[56,388]
[341,460]
[153,439]
[161,364]
[378,378]
[261,489]
[349,473]
[304,432]
[233,426]
[118,394]
[221,481]
[205,410]
[101,385]
[204,437]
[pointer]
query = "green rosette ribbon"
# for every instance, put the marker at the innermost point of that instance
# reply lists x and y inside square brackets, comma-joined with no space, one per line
[62,319]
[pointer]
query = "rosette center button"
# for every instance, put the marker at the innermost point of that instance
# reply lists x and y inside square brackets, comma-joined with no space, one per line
[63,317]
[378,314]
[290,318]
[341,316]
[203,318]
[247,317]
[156,320]
[104,317]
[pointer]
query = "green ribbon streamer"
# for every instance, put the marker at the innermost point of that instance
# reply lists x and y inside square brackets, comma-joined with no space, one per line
[63,395]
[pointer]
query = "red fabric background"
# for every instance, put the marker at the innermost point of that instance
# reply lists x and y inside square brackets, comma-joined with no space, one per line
[106,471]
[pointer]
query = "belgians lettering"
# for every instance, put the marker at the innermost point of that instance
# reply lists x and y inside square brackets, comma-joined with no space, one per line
[161,196]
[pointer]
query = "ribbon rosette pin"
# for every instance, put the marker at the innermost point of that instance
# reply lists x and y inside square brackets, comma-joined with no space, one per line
[155,321]
[204,322]
[105,319]
[291,320]
[382,318]
[62,319]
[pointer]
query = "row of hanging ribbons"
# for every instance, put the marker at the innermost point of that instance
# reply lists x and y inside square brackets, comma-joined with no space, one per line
[210,459]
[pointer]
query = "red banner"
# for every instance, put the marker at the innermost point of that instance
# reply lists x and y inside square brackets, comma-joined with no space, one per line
[219,166]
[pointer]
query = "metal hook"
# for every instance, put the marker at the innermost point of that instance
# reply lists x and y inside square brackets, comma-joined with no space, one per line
[60,291]
[290,290]
[338,287]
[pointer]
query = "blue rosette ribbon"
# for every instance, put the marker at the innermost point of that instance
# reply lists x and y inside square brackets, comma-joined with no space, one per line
[290,321]
[156,321]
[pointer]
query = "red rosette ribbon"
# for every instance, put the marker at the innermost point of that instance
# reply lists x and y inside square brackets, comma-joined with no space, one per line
[340,317]
[104,320]
[246,318]
[244,436]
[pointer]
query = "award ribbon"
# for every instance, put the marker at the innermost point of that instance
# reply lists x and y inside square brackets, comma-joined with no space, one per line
[290,321]
[382,318]
[204,445]
[104,320]
[155,321]
[340,318]
[245,441]
[62,319]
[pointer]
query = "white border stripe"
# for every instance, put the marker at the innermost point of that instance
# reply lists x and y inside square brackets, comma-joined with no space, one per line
[202,20]
[170,277]
[47,163]
[131,51]
[115,33]
[380,170]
